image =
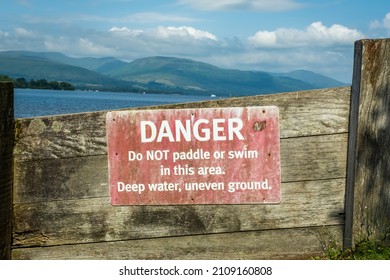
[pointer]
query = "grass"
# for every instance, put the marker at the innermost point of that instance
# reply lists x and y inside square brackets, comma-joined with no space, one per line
[364,250]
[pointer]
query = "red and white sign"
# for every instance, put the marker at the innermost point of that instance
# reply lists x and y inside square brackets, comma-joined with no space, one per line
[194,156]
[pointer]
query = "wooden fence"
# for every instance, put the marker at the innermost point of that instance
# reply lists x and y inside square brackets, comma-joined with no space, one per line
[61,207]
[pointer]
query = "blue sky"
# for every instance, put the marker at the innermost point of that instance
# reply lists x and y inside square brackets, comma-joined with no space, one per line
[275,36]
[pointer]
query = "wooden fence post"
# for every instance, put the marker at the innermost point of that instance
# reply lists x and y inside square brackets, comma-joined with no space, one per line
[6,167]
[368,171]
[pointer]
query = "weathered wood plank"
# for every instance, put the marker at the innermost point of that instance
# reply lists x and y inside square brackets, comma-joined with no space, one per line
[63,136]
[302,113]
[304,158]
[6,167]
[371,182]
[61,179]
[311,158]
[351,151]
[309,203]
[271,244]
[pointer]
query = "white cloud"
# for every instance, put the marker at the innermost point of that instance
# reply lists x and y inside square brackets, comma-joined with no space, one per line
[93,48]
[169,40]
[384,23]
[316,34]
[59,44]
[184,32]
[264,39]
[21,32]
[260,5]
[125,31]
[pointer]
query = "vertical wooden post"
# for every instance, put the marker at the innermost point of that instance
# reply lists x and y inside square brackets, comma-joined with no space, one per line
[368,173]
[6,167]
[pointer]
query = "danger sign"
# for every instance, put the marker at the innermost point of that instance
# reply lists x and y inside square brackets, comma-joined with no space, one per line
[194,156]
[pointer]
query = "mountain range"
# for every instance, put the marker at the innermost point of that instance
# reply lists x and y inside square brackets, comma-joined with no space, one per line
[155,74]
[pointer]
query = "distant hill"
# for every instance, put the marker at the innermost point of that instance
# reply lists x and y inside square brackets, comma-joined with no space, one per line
[185,74]
[155,74]
[317,80]
[100,65]
[29,66]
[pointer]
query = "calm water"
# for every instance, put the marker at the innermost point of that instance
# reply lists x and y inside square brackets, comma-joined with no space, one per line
[33,102]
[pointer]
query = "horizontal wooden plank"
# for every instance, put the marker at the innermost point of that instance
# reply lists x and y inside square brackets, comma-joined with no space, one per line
[301,243]
[60,136]
[309,203]
[302,113]
[61,179]
[304,158]
[311,158]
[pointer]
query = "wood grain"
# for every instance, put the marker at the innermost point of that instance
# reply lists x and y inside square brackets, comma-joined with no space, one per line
[6,167]
[302,243]
[371,178]
[302,158]
[309,203]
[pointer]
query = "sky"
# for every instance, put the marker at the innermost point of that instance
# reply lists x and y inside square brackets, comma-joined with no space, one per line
[266,35]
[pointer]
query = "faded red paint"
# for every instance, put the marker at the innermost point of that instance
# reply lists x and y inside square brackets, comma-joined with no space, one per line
[260,133]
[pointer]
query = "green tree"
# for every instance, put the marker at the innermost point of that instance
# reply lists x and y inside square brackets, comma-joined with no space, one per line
[21,83]
[5,78]
[37,84]
[66,86]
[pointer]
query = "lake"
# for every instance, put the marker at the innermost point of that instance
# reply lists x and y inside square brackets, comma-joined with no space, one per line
[35,102]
